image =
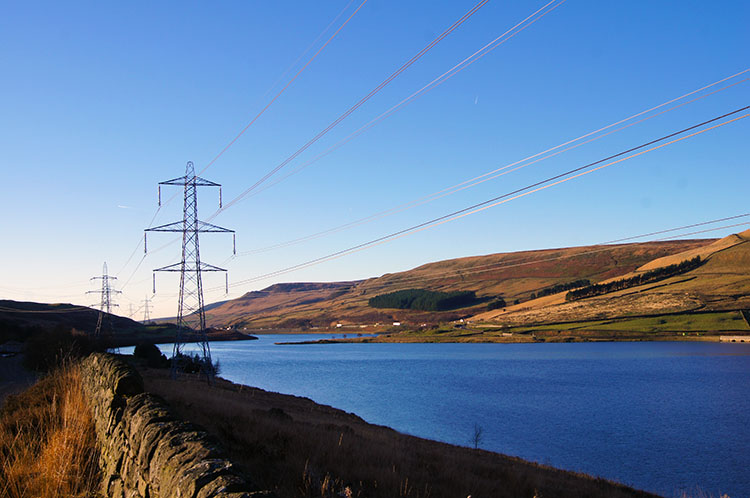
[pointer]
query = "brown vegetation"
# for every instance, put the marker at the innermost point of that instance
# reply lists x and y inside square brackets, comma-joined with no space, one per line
[47,441]
[301,449]
[514,276]
[720,284]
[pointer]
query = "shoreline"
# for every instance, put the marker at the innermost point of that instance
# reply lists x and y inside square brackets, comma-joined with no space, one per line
[499,340]
[308,438]
[190,339]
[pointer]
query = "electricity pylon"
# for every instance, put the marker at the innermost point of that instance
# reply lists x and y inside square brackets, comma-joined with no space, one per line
[146,316]
[190,312]
[105,304]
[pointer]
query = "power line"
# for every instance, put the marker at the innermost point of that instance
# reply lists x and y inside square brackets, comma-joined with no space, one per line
[527,161]
[442,274]
[285,87]
[359,103]
[153,218]
[309,47]
[532,18]
[468,61]
[525,262]
[516,194]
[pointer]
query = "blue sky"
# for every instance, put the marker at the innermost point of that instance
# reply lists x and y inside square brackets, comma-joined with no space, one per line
[99,101]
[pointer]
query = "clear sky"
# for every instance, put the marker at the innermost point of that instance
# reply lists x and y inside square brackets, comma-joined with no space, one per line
[100,101]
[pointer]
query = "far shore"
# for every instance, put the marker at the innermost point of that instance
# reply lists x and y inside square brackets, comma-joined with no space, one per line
[213,336]
[477,339]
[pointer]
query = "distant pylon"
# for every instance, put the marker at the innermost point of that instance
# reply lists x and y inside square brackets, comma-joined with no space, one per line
[146,316]
[190,312]
[105,304]
[130,309]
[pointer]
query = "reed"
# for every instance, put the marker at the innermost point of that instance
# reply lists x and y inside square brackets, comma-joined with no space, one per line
[47,440]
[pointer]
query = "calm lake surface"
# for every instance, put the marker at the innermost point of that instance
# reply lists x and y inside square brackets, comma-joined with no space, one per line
[667,417]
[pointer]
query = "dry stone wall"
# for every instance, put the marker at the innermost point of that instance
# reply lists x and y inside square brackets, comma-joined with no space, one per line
[146,451]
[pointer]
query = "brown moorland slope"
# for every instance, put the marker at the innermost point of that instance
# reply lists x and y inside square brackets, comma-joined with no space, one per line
[514,276]
[722,282]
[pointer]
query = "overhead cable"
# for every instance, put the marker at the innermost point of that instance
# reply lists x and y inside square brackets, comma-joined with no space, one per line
[284,88]
[514,166]
[358,104]
[314,56]
[468,61]
[519,193]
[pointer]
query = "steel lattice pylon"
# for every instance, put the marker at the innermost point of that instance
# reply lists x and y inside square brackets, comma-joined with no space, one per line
[146,316]
[105,304]
[190,308]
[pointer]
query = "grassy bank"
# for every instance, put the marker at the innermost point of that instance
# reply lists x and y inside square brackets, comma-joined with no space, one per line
[47,440]
[694,326]
[302,449]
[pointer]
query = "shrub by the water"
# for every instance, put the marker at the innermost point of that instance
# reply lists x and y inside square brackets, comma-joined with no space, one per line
[194,364]
[149,352]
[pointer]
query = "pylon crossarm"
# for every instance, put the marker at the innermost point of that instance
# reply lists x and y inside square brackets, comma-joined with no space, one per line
[180,180]
[196,180]
[189,267]
[177,226]
[208,227]
[202,182]
[207,267]
[172,267]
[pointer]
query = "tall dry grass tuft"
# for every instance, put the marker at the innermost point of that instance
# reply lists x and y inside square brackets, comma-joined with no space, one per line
[47,440]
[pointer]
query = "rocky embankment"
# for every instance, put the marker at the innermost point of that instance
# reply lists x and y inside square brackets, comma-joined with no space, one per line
[146,451]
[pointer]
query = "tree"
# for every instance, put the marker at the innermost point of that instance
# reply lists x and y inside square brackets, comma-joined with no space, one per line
[476,439]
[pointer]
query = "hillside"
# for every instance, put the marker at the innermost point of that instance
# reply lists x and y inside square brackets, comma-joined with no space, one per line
[19,320]
[18,314]
[720,283]
[512,276]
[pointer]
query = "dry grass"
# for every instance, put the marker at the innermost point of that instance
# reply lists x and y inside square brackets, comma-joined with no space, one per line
[47,440]
[301,449]
[323,304]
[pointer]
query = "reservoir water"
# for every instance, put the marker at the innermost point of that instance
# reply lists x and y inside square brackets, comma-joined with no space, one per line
[667,417]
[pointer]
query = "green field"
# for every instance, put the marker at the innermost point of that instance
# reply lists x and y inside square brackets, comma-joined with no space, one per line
[681,326]
[724,321]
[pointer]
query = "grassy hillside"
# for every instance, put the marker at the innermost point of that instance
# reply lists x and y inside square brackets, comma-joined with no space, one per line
[720,283]
[514,276]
